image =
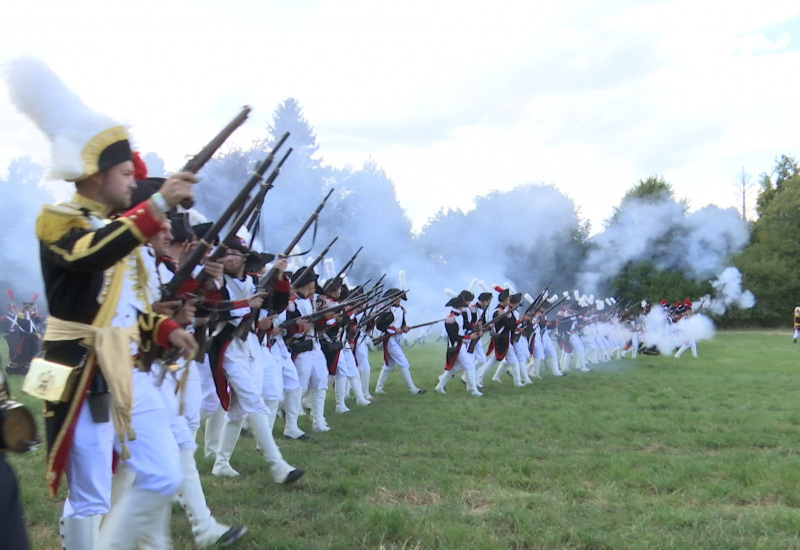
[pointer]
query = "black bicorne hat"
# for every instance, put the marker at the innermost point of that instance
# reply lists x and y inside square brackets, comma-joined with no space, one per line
[456,301]
[256,261]
[333,284]
[145,189]
[300,276]
[516,298]
[181,231]
[466,295]
[485,296]
[396,292]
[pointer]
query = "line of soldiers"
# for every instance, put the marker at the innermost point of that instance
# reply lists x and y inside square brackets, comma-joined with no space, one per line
[582,329]
[135,349]
[238,340]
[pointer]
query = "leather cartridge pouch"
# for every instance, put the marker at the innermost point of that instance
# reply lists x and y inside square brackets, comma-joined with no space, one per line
[331,347]
[301,346]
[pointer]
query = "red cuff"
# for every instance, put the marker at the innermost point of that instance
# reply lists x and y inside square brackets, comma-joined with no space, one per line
[163,330]
[146,217]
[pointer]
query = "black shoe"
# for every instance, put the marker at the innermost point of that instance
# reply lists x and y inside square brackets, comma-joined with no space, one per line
[304,436]
[419,391]
[293,476]
[232,535]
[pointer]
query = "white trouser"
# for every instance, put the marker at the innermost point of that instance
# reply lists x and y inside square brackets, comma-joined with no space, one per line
[312,370]
[244,368]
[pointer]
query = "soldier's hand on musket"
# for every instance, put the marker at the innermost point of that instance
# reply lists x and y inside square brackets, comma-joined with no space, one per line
[281,264]
[256,300]
[305,326]
[214,270]
[178,187]
[266,323]
[405,329]
[166,308]
[185,315]
[183,341]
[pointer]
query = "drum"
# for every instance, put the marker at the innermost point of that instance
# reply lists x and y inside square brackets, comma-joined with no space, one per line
[17,427]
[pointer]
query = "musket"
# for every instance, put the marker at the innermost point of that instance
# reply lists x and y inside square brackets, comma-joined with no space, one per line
[184,271]
[272,273]
[557,303]
[263,192]
[311,317]
[306,276]
[348,264]
[200,159]
[538,301]
[386,336]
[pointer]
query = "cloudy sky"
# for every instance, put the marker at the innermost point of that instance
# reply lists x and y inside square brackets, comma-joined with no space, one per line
[452,99]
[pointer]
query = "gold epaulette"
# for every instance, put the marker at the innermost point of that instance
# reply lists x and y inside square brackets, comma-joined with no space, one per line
[55,221]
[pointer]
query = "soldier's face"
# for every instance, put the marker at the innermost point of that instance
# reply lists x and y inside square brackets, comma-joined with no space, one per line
[233,262]
[117,186]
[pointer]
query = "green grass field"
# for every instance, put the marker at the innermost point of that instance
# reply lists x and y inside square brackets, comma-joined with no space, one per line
[649,453]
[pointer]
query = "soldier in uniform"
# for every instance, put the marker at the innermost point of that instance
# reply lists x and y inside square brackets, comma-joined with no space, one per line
[460,326]
[303,342]
[501,341]
[100,318]
[241,362]
[180,389]
[393,325]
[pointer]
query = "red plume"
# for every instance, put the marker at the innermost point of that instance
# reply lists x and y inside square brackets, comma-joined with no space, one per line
[139,167]
[10,293]
[498,288]
[34,296]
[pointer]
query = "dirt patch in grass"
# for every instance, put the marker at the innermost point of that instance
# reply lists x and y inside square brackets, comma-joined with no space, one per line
[476,502]
[406,497]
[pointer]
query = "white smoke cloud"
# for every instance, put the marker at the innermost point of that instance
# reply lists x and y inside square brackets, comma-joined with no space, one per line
[729,293]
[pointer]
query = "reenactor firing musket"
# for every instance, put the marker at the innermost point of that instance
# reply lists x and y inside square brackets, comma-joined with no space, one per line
[184,271]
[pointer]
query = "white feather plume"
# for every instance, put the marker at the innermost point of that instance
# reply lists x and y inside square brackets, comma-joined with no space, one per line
[528,297]
[401,279]
[450,292]
[67,121]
